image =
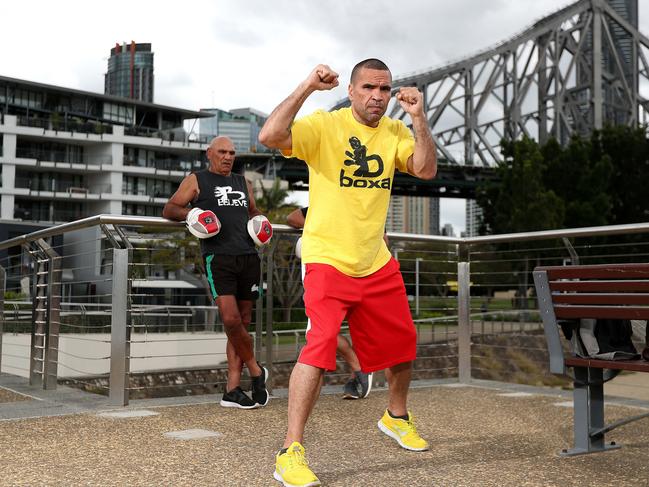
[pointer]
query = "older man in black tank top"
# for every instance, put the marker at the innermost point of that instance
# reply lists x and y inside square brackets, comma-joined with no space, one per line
[231,261]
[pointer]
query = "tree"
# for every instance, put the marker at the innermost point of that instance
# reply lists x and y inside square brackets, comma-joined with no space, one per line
[287,279]
[519,200]
[595,180]
[272,198]
[579,175]
[628,150]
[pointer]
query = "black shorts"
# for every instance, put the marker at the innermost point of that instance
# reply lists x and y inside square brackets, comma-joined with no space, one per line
[233,275]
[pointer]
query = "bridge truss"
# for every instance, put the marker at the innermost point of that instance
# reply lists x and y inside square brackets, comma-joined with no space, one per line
[575,70]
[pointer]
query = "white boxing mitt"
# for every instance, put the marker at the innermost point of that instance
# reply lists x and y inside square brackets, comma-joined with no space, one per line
[260,230]
[202,223]
[298,248]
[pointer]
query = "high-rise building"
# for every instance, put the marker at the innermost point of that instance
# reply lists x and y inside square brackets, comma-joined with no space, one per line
[130,72]
[448,230]
[473,218]
[413,214]
[242,125]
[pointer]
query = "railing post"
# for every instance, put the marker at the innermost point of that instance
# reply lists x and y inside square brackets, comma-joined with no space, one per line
[269,312]
[120,330]
[3,287]
[53,316]
[464,318]
[417,260]
[37,342]
[259,316]
[46,304]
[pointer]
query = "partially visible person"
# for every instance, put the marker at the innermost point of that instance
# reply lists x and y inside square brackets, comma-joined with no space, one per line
[222,204]
[359,384]
[641,334]
[352,154]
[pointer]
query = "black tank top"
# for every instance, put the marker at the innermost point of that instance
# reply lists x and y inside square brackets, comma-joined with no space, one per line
[227,197]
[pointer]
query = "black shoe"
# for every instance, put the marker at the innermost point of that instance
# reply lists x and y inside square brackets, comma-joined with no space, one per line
[350,391]
[259,392]
[236,398]
[365,382]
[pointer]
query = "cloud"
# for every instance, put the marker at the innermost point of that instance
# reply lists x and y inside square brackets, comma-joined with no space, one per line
[229,54]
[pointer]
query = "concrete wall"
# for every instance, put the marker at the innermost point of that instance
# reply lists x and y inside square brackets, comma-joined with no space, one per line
[157,351]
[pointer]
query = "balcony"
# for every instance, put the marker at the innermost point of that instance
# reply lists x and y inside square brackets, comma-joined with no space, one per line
[54,188]
[49,214]
[62,159]
[165,165]
[66,124]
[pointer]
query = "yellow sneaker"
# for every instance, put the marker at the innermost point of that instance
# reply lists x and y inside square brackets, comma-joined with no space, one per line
[403,431]
[292,469]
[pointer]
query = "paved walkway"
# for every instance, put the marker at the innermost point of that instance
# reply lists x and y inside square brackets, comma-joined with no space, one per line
[487,434]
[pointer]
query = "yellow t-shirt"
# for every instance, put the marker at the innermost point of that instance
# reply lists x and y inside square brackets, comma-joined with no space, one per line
[351,169]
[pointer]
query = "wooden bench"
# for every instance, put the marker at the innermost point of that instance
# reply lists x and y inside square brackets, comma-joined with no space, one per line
[616,291]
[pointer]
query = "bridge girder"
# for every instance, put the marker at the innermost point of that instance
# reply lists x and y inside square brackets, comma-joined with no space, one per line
[576,70]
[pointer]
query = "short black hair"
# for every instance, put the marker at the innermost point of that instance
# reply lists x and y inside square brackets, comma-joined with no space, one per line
[371,63]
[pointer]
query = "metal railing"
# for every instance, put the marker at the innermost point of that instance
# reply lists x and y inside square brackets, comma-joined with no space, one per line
[129,293]
[72,156]
[66,124]
[53,185]
[165,164]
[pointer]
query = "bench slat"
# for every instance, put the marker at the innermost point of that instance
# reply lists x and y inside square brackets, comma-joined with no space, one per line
[603,271]
[603,286]
[602,299]
[635,365]
[613,312]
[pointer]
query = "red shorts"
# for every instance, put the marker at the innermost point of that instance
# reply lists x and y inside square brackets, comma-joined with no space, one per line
[376,307]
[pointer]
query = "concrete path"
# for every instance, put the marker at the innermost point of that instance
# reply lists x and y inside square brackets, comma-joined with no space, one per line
[488,434]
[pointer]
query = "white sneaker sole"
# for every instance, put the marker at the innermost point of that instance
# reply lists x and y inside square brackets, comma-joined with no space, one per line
[350,396]
[230,404]
[369,384]
[265,372]
[396,437]
[279,478]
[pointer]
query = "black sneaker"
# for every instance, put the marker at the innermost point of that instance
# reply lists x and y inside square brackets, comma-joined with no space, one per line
[365,382]
[236,398]
[259,392]
[350,391]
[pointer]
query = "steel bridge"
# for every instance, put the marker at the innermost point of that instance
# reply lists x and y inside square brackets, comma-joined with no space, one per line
[452,181]
[576,70]
[573,71]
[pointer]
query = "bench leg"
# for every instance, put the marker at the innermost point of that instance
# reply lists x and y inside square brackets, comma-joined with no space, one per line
[588,412]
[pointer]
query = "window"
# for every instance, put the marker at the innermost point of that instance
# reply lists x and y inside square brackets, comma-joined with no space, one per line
[157,188]
[141,210]
[119,113]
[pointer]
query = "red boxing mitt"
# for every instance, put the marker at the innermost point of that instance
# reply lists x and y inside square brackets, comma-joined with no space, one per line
[260,230]
[202,223]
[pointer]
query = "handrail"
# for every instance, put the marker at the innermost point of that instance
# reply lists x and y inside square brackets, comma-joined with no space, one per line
[630,228]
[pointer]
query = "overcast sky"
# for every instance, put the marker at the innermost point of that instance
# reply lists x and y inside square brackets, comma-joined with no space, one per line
[239,53]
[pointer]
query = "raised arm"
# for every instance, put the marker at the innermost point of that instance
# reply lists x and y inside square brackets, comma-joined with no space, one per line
[423,162]
[176,207]
[276,132]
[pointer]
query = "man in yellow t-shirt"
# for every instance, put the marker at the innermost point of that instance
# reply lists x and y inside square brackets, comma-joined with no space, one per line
[352,155]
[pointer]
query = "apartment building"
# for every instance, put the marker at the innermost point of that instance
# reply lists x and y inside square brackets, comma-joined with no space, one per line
[413,214]
[67,154]
[242,125]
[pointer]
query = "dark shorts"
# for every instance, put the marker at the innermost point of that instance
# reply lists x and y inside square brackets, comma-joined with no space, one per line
[233,275]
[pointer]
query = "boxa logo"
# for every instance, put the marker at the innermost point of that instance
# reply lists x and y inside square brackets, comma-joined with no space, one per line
[347,182]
